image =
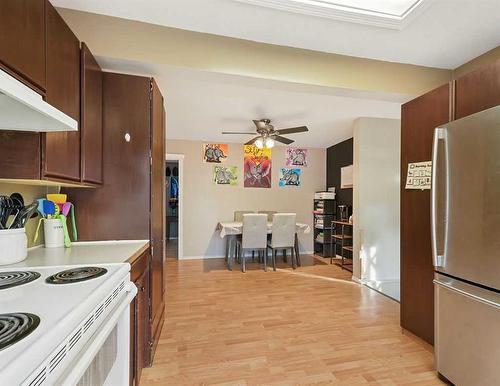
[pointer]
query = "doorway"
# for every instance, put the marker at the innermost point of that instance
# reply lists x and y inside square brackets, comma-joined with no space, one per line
[173,196]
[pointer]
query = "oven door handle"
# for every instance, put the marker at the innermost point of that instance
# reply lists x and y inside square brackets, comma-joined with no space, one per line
[74,375]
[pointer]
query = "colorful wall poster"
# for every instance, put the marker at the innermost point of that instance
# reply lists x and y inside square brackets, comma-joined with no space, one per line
[257,167]
[225,175]
[290,177]
[296,157]
[215,152]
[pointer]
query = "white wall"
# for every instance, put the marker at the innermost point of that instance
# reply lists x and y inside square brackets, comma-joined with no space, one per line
[376,203]
[205,204]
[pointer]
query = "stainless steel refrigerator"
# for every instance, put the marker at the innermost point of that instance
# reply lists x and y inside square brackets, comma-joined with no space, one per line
[465,212]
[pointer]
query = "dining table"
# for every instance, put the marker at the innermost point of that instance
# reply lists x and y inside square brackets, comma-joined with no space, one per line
[229,230]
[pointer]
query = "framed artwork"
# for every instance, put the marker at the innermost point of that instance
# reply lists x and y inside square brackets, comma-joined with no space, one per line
[296,157]
[290,177]
[257,167]
[225,175]
[215,152]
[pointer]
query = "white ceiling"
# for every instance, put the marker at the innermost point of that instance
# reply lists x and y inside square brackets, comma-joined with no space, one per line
[201,104]
[447,34]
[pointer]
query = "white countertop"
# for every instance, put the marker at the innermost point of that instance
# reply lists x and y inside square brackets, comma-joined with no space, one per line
[92,252]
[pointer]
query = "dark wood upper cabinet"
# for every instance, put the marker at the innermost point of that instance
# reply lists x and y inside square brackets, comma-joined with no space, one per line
[419,118]
[61,151]
[91,118]
[22,40]
[477,90]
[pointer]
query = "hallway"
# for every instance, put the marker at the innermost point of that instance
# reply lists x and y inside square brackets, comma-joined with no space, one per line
[309,326]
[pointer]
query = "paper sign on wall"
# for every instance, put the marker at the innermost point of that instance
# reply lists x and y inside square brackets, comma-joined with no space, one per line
[346,177]
[419,175]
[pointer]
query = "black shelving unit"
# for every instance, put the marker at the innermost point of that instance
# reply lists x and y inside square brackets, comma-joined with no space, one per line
[324,214]
[344,243]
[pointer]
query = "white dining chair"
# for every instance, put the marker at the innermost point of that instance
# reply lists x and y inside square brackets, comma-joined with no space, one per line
[238,214]
[269,213]
[253,238]
[283,236]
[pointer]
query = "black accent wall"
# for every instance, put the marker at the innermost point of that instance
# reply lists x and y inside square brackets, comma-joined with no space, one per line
[338,156]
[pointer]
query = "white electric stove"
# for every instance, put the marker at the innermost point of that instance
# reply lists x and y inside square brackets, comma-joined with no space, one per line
[65,325]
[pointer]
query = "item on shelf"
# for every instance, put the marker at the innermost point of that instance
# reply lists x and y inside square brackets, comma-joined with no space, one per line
[344,212]
[324,195]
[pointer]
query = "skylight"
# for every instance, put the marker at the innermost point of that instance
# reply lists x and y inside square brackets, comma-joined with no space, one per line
[383,13]
[396,8]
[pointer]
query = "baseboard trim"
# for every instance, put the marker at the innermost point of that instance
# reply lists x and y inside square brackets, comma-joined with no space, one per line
[200,257]
[222,257]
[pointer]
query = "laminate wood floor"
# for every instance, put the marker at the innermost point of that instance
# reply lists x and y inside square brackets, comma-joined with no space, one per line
[312,326]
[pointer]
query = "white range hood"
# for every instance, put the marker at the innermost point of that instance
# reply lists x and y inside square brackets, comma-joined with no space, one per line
[23,109]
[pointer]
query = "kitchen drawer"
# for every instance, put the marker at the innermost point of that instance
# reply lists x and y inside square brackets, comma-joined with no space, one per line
[467,341]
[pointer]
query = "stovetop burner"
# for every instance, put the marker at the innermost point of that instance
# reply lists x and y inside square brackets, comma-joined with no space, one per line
[15,278]
[75,275]
[16,326]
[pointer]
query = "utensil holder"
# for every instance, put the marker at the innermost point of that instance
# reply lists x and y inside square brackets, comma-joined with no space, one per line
[53,232]
[13,246]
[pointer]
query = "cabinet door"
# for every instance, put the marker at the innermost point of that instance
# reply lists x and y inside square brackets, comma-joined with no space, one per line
[122,202]
[20,155]
[139,327]
[61,151]
[142,324]
[419,117]
[157,210]
[22,40]
[477,90]
[91,118]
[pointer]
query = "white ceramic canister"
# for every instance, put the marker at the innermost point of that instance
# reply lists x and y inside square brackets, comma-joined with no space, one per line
[13,245]
[53,233]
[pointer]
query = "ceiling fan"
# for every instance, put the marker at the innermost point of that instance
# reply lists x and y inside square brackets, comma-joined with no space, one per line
[267,134]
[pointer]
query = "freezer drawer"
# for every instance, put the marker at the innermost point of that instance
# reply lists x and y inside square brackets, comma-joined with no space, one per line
[467,333]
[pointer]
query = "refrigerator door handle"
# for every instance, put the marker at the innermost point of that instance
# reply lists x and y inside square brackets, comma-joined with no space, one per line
[466,293]
[438,259]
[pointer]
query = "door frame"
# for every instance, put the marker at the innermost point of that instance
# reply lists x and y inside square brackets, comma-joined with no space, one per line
[180,237]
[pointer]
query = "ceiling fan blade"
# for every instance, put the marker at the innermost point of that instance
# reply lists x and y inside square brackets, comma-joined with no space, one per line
[281,139]
[291,130]
[251,142]
[239,132]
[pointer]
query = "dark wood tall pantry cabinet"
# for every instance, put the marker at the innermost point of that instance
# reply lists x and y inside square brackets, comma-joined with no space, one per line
[130,203]
[419,117]
[469,94]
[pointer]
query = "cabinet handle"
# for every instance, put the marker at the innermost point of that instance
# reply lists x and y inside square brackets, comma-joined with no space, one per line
[140,287]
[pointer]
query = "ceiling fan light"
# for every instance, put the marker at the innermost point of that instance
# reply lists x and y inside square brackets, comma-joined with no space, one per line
[269,143]
[259,143]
